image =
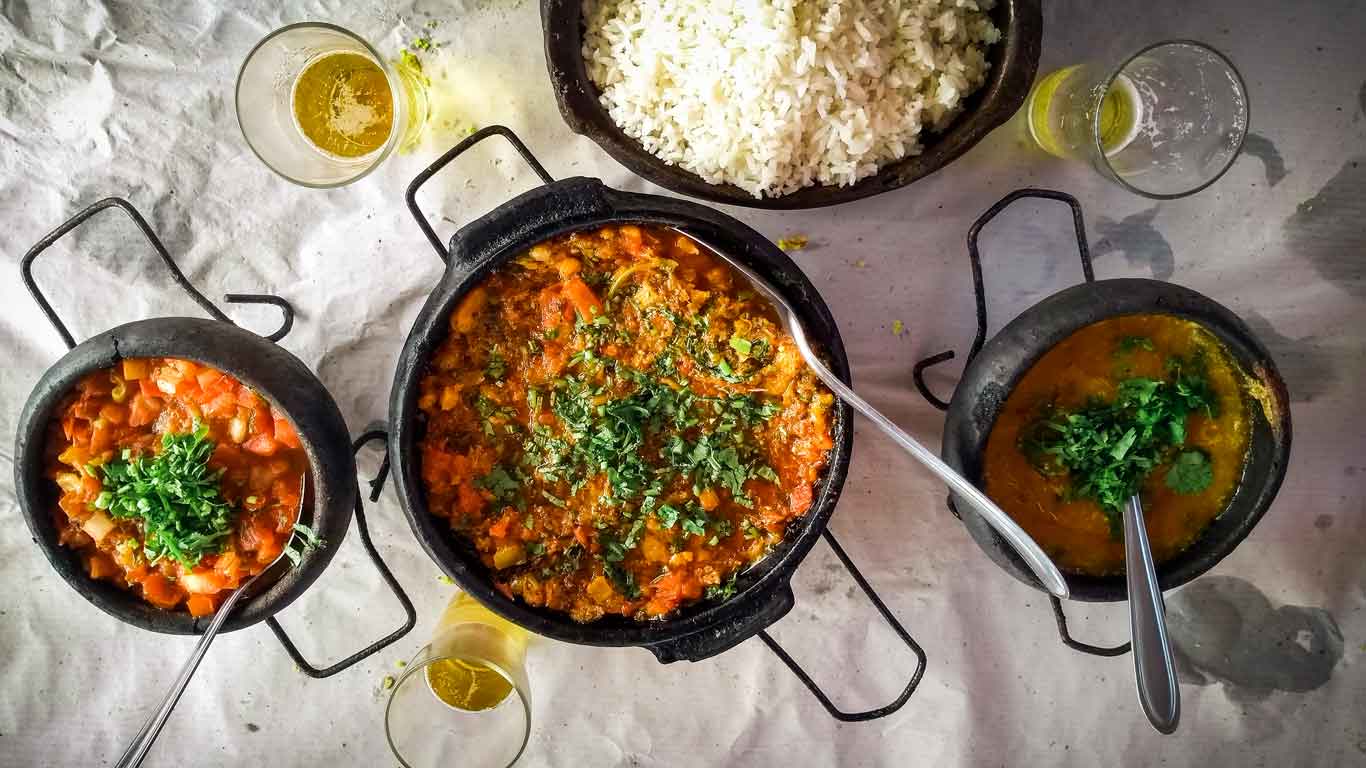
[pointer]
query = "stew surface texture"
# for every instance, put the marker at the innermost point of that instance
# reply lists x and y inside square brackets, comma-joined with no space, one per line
[618,425]
[1143,358]
[177,481]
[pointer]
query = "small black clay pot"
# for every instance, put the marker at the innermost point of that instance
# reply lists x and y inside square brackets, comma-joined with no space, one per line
[993,373]
[703,629]
[1014,61]
[257,361]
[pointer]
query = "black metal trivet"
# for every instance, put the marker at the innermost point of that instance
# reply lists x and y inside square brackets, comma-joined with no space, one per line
[979,295]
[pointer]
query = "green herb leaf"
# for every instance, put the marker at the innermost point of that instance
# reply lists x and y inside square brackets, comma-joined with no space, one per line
[1191,472]
[1129,344]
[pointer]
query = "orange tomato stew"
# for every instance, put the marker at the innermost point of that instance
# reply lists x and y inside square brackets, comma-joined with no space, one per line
[618,425]
[177,481]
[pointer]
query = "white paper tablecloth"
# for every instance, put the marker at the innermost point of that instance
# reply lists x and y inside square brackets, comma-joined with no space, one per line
[135,99]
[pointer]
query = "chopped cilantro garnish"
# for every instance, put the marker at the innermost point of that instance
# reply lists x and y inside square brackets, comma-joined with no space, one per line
[1108,449]
[174,493]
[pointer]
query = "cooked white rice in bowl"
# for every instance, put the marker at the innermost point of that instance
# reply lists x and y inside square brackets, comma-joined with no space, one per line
[776,95]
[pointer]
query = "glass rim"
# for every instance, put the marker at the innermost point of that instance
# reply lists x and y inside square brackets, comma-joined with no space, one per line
[395,92]
[412,668]
[1233,157]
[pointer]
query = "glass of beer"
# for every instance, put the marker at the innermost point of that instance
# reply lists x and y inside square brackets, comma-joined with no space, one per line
[464,698]
[322,108]
[1165,122]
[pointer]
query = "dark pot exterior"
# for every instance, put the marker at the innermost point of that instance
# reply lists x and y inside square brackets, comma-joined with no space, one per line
[278,375]
[994,372]
[1014,61]
[698,631]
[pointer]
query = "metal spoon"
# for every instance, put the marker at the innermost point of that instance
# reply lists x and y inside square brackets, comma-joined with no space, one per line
[1043,567]
[137,751]
[1158,691]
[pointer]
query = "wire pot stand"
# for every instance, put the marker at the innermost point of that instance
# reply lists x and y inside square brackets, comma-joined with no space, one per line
[979,296]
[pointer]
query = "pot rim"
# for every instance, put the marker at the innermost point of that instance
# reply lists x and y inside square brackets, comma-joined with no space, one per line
[272,371]
[987,381]
[472,257]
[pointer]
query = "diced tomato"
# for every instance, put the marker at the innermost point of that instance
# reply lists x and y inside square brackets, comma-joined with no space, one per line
[261,445]
[499,530]
[285,434]
[553,310]
[188,389]
[227,455]
[80,432]
[186,368]
[668,592]
[262,421]
[247,396]
[800,500]
[207,377]
[583,298]
[114,413]
[73,505]
[148,387]
[223,404]
[631,238]
[101,566]
[200,605]
[468,500]
[201,582]
[269,550]
[229,566]
[144,409]
[90,487]
[161,591]
[286,492]
[101,437]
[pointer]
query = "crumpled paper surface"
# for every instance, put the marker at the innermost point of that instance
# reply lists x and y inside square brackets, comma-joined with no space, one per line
[136,100]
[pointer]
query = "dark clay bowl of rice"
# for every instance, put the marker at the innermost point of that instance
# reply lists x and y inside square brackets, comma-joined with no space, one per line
[791,104]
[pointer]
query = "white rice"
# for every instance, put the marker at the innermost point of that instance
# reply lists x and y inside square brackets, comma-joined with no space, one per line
[776,95]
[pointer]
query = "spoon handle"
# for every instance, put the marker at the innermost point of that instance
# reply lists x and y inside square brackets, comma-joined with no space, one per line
[1158,691]
[136,751]
[1039,563]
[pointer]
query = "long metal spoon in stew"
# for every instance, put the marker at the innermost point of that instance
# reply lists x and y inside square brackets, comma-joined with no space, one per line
[1039,563]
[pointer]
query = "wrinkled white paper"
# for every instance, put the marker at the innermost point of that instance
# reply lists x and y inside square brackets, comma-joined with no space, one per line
[136,100]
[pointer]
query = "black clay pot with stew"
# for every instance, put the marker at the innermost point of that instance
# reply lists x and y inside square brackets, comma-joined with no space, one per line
[288,385]
[702,629]
[996,366]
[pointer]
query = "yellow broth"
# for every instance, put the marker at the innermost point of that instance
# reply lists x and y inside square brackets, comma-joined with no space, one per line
[1090,364]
